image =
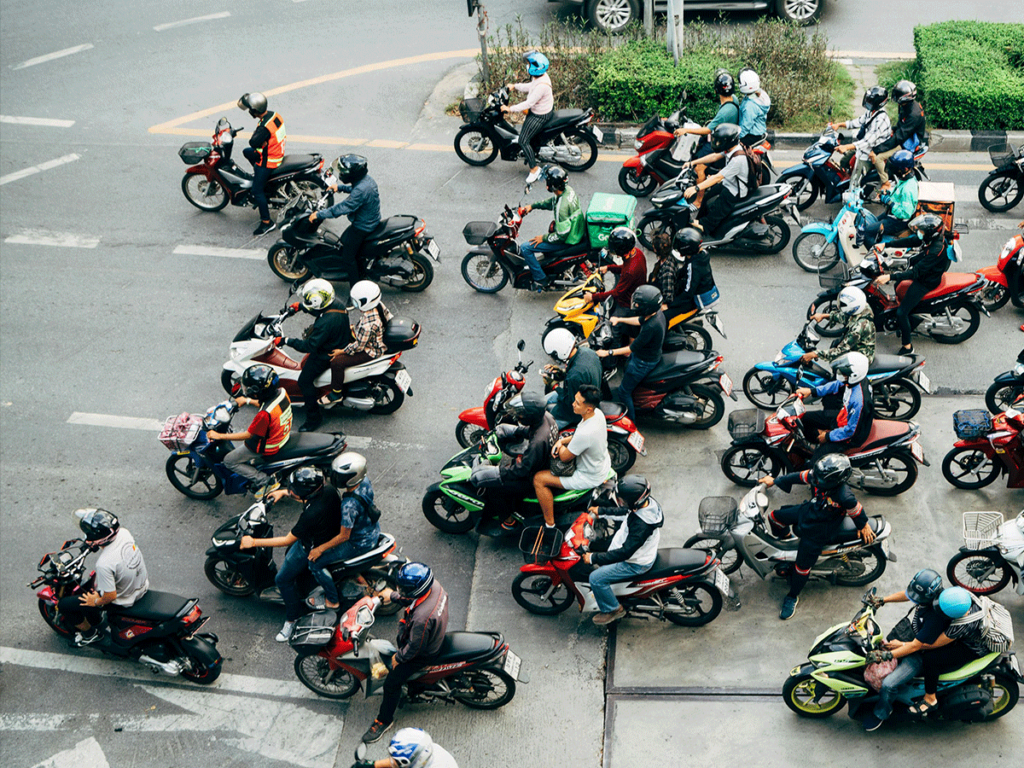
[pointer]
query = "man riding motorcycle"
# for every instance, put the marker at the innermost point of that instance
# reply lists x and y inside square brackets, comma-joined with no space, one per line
[570,224]
[727,187]
[909,131]
[582,367]
[362,206]
[848,427]
[858,323]
[902,201]
[265,152]
[644,352]
[412,748]
[695,283]
[632,274]
[728,112]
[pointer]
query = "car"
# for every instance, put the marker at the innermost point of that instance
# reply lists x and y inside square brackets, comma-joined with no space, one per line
[613,15]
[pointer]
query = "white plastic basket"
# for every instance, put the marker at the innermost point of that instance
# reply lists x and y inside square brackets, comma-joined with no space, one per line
[980,528]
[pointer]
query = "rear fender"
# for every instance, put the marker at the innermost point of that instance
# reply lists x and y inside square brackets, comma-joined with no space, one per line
[994,274]
[200,648]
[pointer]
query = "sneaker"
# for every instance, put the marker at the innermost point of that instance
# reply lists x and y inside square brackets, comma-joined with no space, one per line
[789,605]
[263,228]
[871,723]
[268,487]
[539,286]
[331,398]
[607,618]
[533,176]
[286,632]
[88,637]
[376,731]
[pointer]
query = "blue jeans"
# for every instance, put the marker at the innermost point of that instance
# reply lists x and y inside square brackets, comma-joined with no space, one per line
[297,559]
[344,551]
[635,372]
[602,579]
[552,398]
[530,252]
[905,671]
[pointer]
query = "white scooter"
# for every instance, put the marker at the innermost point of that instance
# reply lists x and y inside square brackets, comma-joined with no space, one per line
[992,555]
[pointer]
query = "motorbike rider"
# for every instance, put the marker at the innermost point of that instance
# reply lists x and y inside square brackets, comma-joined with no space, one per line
[644,352]
[695,281]
[633,548]
[925,269]
[265,152]
[632,274]
[582,367]
[329,331]
[570,223]
[362,206]
[850,425]
[663,273]
[412,748]
[753,109]
[539,106]
[369,337]
[269,431]
[420,634]
[874,129]
[727,187]
[858,321]
[728,112]
[901,202]
[818,520]
[121,576]
[909,131]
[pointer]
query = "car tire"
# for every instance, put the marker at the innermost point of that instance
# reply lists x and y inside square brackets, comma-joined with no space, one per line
[612,16]
[802,12]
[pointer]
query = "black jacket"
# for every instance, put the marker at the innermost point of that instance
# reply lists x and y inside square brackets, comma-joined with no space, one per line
[421,631]
[537,455]
[825,511]
[928,266]
[583,368]
[330,330]
[909,122]
[695,277]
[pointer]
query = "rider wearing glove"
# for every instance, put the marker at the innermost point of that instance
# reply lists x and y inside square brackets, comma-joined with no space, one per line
[729,186]
[412,748]
[265,152]
[570,224]
[875,129]
[362,206]
[858,321]
[849,426]
[369,337]
[817,521]
[632,274]
[644,352]
[902,201]
[582,368]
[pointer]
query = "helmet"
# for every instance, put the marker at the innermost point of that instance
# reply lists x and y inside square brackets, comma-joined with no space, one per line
[725,137]
[317,295]
[687,242]
[255,103]
[560,343]
[99,526]
[411,748]
[924,587]
[646,300]
[414,580]
[749,81]
[527,408]
[350,168]
[928,225]
[536,63]
[852,300]
[875,98]
[904,92]
[555,178]
[724,84]
[259,380]
[621,241]
[902,163]
[955,602]
[348,469]
[634,490]
[851,368]
[365,295]
[831,471]
[306,482]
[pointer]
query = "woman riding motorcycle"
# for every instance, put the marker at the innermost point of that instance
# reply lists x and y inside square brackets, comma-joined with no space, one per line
[902,201]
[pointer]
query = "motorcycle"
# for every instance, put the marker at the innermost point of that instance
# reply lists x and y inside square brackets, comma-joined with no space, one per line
[568,140]
[241,573]
[685,587]
[992,555]
[161,631]
[1005,278]
[378,386]
[896,380]
[658,153]
[981,691]
[885,464]
[987,447]
[742,534]
[196,464]
[336,658]
[213,179]
[1003,188]
[1008,387]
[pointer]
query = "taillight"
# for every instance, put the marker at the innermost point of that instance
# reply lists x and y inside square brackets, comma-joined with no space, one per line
[192,616]
[423,226]
[320,167]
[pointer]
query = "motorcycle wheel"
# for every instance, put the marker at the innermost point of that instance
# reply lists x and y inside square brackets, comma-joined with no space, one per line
[778,234]
[475,146]
[634,184]
[731,560]
[468,434]
[226,578]
[422,277]
[999,397]
[529,589]
[444,513]
[687,337]
[827,306]
[811,698]
[897,400]
[387,396]
[804,190]
[281,258]
[207,663]
[483,275]
[872,560]
[179,469]
[973,323]
[813,253]
[712,400]
[315,673]
[203,194]
[585,142]
[49,613]
[978,572]
[700,604]
[1005,695]
[900,461]
[962,463]
[623,455]
[994,297]
[765,390]
[645,232]
[746,464]
[486,689]
[1001,191]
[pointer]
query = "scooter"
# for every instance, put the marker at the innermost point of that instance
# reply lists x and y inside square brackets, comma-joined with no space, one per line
[213,179]
[992,555]
[685,587]
[742,534]
[660,154]
[1005,278]
[336,658]
[241,573]
[196,464]
[1003,188]
[987,446]
[1008,388]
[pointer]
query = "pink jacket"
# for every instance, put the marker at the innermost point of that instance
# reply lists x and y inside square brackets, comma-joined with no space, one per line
[539,100]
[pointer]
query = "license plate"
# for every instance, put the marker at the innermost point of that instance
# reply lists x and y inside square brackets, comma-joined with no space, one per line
[512,665]
[403,380]
[433,251]
[598,134]
[917,451]
[637,441]
[722,582]
[924,381]
[726,384]
[885,547]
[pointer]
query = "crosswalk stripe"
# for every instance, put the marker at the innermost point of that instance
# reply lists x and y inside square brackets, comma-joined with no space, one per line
[55,55]
[58,239]
[43,121]
[226,253]
[34,169]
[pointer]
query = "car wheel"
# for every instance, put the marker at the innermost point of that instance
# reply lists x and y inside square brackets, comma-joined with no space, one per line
[612,16]
[801,11]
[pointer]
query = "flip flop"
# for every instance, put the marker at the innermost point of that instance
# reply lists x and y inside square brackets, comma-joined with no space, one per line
[319,603]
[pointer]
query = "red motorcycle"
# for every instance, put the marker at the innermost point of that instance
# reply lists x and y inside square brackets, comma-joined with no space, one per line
[988,446]
[1006,278]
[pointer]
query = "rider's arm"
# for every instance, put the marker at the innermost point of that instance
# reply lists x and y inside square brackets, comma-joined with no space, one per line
[787,481]
[259,137]
[548,204]
[854,413]
[228,436]
[355,201]
[639,532]
[277,541]
[828,388]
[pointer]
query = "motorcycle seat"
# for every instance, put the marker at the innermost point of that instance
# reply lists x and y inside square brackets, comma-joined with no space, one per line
[612,410]
[302,444]
[886,363]
[573,250]
[292,163]
[951,281]
[384,542]
[673,362]
[156,605]
[564,117]
[671,561]
[393,225]
[882,433]
[848,530]
[971,668]
[463,646]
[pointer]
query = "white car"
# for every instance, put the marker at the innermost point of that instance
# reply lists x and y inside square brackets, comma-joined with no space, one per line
[613,15]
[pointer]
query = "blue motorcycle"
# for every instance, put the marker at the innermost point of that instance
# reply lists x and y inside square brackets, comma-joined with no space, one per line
[896,380]
[196,464]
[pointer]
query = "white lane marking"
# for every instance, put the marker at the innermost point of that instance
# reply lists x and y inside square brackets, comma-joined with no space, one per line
[993,223]
[54,55]
[44,121]
[85,754]
[34,169]
[196,20]
[58,239]
[227,253]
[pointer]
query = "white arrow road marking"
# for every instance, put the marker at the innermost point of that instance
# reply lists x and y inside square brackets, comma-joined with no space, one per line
[44,121]
[58,239]
[34,169]
[227,253]
[54,55]
[85,754]
[196,20]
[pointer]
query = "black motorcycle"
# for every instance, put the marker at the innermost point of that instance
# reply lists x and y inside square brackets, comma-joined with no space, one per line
[567,140]
[1003,188]
[1007,388]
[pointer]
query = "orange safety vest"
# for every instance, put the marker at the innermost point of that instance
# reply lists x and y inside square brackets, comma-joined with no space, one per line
[273,150]
[280,410]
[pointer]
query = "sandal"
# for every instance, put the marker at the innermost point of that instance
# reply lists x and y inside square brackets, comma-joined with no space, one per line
[922,709]
[319,603]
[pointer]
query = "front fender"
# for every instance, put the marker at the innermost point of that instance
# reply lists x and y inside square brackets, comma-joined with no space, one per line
[798,171]
[1007,377]
[474,416]
[820,228]
[634,162]
[46,595]
[543,569]
[479,249]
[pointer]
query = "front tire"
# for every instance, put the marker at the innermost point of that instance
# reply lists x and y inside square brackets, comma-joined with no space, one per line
[973,323]
[766,390]
[488,689]
[205,195]
[445,513]
[635,184]
[999,397]
[978,572]
[825,306]
[315,673]
[748,463]
[655,225]
[469,434]
[225,577]
[813,253]
[699,604]
[810,698]
[482,274]
[49,613]
[960,465]
[896,400]
[205,486]
[529,590]
[1001,191]
[284,262]
[476,145]
[612,16]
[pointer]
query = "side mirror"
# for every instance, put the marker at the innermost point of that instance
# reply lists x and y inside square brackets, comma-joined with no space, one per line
[360,751]
[521,345]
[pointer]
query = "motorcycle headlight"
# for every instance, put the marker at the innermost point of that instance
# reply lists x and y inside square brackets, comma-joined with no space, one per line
[637,143]
[780,358]
[1018,369]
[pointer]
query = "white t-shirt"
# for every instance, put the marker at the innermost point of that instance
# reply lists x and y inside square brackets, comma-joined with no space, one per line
[589,445]
[120,568]
[441,758]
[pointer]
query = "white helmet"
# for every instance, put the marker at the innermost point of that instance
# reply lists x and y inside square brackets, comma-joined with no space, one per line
[348,469]
[365,295]
[851,368]
[560,343]
[852,300]
[317,295]
[749,82]
[411,748]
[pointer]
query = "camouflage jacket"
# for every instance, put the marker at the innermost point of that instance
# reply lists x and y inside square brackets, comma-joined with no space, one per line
[858,335]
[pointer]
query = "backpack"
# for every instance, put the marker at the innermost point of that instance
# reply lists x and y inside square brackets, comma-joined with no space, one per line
[368,506]
[754,161]
[996,632]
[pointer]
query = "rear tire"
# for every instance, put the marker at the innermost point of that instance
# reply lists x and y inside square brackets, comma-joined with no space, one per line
[702,604]
[655,225]
[689,337]
[995,297]
[387,397]
[973,323]
[804,190]
[446,514]
[586,143]
[612,16]
[802,12]
[896,400]
[623,455]
[813,253]
[780,236]
[901,461]
[965,570]
[746,464]
[634,184]
[1008,692]
[712,400]
[476,145]
[178,469]
[281,258]
[478,268]
[872,572]
[422,277]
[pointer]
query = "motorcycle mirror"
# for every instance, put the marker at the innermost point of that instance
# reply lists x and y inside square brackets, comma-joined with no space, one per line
[521,345]
[360,751]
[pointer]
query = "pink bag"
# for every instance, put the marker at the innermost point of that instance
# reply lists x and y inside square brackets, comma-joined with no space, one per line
[180,432]
[874,674]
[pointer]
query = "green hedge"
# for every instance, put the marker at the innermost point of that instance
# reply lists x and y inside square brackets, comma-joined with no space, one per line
[971,76]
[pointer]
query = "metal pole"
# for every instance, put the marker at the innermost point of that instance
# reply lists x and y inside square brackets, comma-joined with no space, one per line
[649,17]
[673,31]
[481,30]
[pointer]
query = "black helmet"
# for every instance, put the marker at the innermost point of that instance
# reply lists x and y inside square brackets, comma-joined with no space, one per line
[634,490]
[621,241]
[924,587]
[904,92]
[687,241]
[928,225]
[831,471]
[725,137]
[99,526]
[414,580]
[527,408]
[724,83]
[875,97]
[254,103]
[556,178]
[646,300]
[306,482]
[350,168]
[259,380]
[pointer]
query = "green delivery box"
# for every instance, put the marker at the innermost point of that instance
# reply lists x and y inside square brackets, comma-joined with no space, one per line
[607,212]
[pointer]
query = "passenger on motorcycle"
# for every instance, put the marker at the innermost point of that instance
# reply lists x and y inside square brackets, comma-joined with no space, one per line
[582,368]
[265,152]
[121,576]
[570,224]
[362,206]
[858,321]
[727,187]
[633,548]
[848,427]
[632,274]
[269,430]
[412,748]
[369,337]
[817,521]
[909,131]
[695,287]
[875,128]
[728,112]
[753,109]
[644,352]
[663,273]
[901,202]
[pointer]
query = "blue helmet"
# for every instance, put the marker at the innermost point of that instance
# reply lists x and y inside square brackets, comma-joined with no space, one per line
[924,587]
[955,602]
[902,162]
[411,748]
[537,63]
[414,580]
